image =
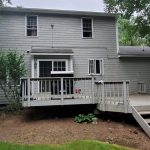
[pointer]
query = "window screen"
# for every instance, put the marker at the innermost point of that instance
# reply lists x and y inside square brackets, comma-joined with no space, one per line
[31,26]
[87,27]
[96,66]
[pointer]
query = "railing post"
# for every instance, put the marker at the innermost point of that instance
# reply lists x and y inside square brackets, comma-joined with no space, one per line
[103,94]
[23,89]
[93,100]
[62,91]
[125,96]
[28,87]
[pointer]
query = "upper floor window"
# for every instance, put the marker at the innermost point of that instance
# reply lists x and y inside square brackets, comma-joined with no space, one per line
[96,66]
[31,25]
[87,27]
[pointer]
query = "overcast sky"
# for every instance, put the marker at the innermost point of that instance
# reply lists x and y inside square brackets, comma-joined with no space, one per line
[82,5]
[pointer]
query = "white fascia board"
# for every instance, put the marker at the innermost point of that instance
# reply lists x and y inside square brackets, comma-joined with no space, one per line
[64,54]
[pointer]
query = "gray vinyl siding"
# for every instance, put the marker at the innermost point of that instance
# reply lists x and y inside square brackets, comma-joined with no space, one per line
[134,69]
[67,33]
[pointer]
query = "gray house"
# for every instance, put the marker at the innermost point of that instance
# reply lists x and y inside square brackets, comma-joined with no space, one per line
[73,57]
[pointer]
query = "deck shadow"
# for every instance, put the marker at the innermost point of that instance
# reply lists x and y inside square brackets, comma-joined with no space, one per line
[62,112]
[118,117]
[44,113]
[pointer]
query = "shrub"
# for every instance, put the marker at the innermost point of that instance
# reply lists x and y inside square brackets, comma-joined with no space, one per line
[12,68]
[84,118]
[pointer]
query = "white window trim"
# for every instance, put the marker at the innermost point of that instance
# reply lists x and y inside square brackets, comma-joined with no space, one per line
[117,36]
[26,26]
[101,68]
[53,72]
[89,67]
[62,72]
[82,28]
[66,65]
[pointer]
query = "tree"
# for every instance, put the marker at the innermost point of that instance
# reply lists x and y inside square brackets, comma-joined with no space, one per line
[4,2]
[12,68]
[137,11]
[129,33]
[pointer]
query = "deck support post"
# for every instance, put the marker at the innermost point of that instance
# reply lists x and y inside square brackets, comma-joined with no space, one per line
[28,86]
[92,89]
[62,91]
[23,89]
[125,96]
[103,95]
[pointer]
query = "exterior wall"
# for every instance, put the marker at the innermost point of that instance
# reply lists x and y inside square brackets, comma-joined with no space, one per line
[133,69]
[67,33]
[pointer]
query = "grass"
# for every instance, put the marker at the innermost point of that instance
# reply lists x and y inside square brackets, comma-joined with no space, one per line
[77,145]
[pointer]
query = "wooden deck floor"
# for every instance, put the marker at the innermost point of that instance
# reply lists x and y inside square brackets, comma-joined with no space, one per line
[139,100]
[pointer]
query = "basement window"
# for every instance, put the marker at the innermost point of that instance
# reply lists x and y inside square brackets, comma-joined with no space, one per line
[96,67]
[87,29]
[31,25]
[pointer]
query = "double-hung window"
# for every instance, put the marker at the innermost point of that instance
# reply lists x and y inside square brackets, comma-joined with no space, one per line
[31,25]
[96,67]
[87,28]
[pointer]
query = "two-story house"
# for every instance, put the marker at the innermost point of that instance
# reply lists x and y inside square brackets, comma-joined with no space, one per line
[59,43]
[73,57]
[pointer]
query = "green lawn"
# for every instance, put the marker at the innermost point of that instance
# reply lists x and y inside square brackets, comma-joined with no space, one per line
[78,145]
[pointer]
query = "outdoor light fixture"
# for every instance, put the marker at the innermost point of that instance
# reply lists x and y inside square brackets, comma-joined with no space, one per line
[35,63]
[28,51]
[52,26]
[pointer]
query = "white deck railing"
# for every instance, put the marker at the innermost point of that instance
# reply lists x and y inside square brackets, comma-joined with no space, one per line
[77,90]
[48,89]
[113,93]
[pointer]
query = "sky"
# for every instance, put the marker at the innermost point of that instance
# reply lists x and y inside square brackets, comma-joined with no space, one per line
[81,5]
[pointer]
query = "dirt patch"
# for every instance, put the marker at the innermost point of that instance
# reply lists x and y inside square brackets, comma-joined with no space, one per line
[55,125]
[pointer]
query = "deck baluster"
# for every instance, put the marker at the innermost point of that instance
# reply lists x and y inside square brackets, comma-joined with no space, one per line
[28,91]
[62,92]
[23,90]
[103,95]
[125,96]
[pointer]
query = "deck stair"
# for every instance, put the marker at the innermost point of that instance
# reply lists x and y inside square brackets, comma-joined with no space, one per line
[142,116]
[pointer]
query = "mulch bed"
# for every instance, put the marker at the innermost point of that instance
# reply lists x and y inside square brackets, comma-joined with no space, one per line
[55,125]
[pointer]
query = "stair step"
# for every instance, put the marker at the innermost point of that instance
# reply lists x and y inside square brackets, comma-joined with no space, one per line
[142,108]
[138,115]
[144,112]
[147,120]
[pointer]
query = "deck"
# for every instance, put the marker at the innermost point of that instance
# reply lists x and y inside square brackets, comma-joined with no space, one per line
[140,100]
[110,96]
[57,91]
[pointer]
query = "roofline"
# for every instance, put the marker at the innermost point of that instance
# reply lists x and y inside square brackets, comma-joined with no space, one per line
[62,54]
[55,11]
[132,55]
[133,51]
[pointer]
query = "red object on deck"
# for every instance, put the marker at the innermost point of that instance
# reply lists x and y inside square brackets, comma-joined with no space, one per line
[78,91]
